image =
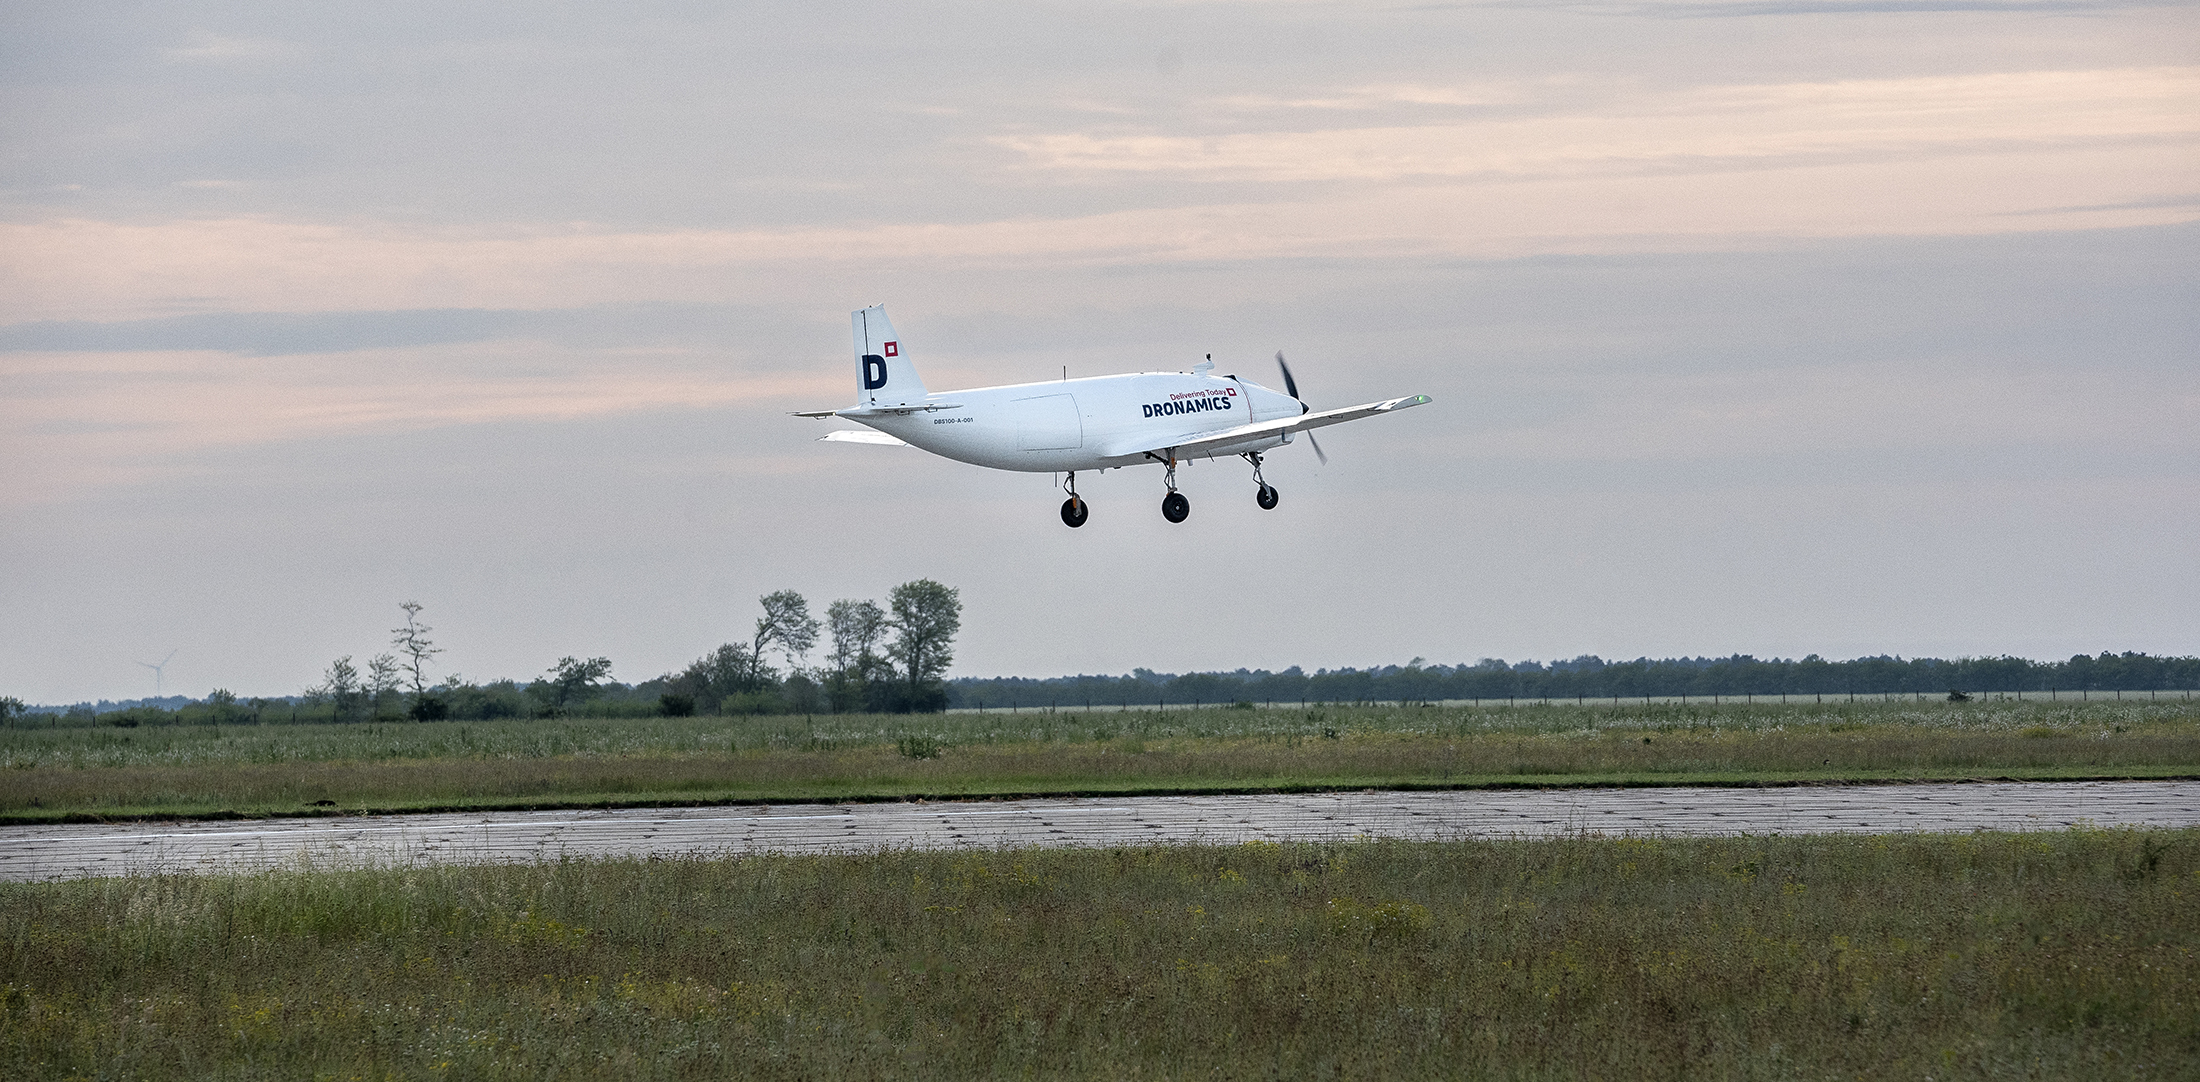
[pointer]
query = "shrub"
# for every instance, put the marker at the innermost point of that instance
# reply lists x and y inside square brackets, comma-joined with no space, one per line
[919,746]
[753,702]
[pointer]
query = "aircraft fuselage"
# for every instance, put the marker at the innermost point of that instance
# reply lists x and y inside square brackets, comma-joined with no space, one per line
[1084,424]
[1096,423]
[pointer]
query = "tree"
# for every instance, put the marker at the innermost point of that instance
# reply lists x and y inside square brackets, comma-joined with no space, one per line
[926,617]
[382,680]
[222,708]
[709,679]
[857,627]
[413,642]
[12,708]
[787,624]
[339,688]
[572,679]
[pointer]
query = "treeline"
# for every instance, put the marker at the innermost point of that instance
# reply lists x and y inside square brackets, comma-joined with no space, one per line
[882,660]
[889,659]
[894,659]
[1589,677]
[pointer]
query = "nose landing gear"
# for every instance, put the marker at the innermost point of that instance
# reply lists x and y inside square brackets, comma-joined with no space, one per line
[1266,495]
[1074,510]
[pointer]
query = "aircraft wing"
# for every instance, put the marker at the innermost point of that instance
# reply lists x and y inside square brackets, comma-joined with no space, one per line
[862,435]
[1195,443]
[881,411]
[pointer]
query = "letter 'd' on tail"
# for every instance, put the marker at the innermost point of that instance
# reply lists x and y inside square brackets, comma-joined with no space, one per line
[883,376]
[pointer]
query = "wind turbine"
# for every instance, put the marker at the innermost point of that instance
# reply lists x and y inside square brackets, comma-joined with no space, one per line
[157,670]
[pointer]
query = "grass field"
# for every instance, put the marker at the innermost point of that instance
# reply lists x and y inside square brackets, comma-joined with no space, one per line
[57,774]
[2058,955]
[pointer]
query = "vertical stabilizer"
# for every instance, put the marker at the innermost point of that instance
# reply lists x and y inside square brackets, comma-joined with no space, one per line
[883,376]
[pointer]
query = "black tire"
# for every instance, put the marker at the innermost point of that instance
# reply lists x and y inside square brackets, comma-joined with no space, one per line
[1175,507]
[1266,497]
[1075,512]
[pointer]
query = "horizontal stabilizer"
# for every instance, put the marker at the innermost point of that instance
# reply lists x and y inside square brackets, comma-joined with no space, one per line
[861,435]
[1196,442]
[897,411]
[881,411]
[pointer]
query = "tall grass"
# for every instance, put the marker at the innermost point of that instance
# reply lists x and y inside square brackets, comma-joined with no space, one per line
[2065,955]
[188,770]
[193,745]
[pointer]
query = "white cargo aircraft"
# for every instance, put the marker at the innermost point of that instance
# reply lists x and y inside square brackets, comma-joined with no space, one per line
[1094,423]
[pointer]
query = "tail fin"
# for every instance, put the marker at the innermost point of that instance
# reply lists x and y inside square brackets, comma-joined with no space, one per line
[883,376]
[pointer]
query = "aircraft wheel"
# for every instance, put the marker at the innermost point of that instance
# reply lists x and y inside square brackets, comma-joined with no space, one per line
[1267,497]
[1175,507]
[1074,512]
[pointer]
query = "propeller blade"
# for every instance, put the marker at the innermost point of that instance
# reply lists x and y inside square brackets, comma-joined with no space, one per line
[1292,386]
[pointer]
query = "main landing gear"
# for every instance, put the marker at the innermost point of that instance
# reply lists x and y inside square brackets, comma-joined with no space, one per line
[1074,510]
[1266,495]
[1174,506]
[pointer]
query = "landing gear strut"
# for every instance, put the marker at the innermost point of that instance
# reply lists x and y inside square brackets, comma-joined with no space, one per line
[1174,506]
[1074,511]
[1265,495]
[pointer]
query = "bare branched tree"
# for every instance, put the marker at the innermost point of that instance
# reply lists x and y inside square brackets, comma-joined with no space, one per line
[413,642]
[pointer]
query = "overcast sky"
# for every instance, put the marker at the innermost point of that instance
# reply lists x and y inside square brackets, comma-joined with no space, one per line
[1764,326]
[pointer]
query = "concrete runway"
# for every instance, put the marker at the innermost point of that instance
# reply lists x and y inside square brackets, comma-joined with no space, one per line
[62,852]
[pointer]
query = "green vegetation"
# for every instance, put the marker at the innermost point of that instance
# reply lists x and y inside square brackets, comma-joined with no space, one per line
[188,770]
[1592,677]
[891,660]
[2062,955]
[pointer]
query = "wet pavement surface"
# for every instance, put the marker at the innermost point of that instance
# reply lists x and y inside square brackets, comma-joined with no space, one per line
[61,852]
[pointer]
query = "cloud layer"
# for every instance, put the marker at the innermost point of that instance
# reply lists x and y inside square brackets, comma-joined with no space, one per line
[1835,327]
